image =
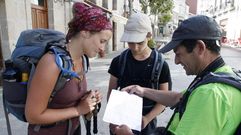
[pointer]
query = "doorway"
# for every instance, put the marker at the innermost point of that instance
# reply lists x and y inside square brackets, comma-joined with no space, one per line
[39,14]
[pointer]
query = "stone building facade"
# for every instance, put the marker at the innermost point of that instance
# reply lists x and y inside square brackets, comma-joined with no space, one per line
[19,15]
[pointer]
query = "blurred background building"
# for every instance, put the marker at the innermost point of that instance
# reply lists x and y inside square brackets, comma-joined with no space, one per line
[226,13]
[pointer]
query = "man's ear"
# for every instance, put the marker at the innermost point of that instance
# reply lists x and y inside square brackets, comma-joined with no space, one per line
[149,35]
[201,47]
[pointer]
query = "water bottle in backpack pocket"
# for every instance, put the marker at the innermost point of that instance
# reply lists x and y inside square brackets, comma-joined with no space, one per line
[14,90]
[11,73]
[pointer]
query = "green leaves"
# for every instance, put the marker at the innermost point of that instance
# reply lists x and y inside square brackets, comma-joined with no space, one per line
[160,8]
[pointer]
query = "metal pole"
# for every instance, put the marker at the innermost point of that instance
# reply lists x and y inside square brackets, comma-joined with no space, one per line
[130,7]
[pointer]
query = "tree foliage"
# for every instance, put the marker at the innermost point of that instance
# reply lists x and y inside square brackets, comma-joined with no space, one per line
[161,8]
[164,18]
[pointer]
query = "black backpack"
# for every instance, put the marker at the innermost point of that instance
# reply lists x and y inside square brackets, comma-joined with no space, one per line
[30,47]
[233,80]
[156,71]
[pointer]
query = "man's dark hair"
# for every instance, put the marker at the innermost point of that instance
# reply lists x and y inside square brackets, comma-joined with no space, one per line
[211,45]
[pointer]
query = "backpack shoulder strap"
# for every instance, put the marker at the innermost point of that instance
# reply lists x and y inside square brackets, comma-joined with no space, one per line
[219,77]
[121,65]
[156,71]
[65,64]
[86,63]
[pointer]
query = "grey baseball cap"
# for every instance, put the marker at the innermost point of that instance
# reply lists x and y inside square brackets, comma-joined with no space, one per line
[196,27]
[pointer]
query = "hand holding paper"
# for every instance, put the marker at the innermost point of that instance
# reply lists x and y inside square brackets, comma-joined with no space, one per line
[124,108]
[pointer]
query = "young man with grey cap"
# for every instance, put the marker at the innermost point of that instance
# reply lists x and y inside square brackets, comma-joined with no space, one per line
[208,109]
[138,69]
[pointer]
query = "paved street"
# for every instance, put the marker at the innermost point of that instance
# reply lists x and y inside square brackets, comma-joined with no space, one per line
[98,79]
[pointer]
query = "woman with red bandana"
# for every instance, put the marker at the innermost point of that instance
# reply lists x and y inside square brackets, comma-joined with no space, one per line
[88,33]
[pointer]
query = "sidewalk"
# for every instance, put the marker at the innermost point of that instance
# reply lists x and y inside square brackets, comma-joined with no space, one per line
[106,60]
[114,53]
[231,46]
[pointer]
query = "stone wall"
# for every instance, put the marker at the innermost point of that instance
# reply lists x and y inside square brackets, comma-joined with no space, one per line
[15,16]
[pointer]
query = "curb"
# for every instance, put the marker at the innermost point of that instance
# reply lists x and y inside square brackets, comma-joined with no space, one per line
[233,47]
[108,55]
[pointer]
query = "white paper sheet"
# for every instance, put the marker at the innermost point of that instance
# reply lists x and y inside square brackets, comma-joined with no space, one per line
[124,108]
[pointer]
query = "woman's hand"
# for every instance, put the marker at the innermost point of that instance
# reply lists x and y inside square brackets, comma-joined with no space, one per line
[98,96]
[134,89]
[87,103]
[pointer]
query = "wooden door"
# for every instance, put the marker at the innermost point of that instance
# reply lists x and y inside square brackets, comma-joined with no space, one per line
[39,14]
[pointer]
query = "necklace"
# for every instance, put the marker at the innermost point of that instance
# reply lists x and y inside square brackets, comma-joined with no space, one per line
[78,68]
